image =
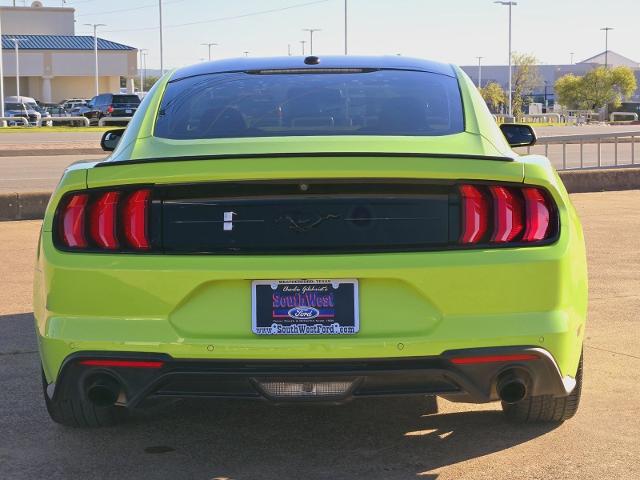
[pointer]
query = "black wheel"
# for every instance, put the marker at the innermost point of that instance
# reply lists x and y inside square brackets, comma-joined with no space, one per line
[72,410]
[546,408]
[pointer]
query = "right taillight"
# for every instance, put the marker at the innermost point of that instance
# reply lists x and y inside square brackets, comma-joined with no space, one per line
[114,220]
[499,214]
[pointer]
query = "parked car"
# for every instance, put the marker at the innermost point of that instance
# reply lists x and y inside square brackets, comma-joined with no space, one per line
[27,107]
[111,105]
[57,111]
[71,103]
[317,229]
[19,109]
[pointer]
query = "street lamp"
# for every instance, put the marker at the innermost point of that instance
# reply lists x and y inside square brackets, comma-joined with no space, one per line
[209,45]
[479,71]
[606,45]
[311,30]
[509,4]
[2,124]
[16,44]
[246,53]
[95,50]
[302,42]
[161,46]
[571,53]
[141,51]
[345,27]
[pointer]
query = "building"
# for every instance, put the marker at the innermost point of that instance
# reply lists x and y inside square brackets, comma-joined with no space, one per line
[53,62]
[544,93]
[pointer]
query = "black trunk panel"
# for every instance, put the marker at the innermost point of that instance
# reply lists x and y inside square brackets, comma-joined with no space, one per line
[303,218]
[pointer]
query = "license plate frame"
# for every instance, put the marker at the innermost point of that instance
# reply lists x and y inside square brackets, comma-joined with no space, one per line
[305,307]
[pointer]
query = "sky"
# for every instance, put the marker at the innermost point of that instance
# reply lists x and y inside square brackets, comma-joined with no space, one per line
[453,31]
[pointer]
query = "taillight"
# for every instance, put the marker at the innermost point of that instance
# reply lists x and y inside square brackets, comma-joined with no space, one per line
[110,109]
[103,221]
[538,215]
[475,214]
[112,220]
[501,215]
[135,219]
[72,221]
[507,214]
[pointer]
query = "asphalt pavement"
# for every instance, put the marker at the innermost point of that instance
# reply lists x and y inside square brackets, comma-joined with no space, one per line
[205,440]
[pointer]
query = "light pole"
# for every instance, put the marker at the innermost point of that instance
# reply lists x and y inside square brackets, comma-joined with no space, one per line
[2,124]
[606,45]
[479,71]
[311,30]
[95,50]
[302,42]
[345,27]
[141,51]
[161,46]
[16,45]
[509,4]
[211,44]
[288,49]
[571,53]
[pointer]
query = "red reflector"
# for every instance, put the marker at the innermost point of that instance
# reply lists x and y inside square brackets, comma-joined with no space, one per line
[102,223]
[475,213]
[110,109]
[135,215]
[494,358]
[537,213]
[122,363]
[72,222]
[507,214]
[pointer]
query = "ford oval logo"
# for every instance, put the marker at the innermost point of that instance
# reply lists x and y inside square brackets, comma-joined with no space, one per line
[303,313]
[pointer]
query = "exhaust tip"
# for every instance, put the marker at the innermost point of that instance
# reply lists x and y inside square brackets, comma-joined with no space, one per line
[103,391]
[512,388]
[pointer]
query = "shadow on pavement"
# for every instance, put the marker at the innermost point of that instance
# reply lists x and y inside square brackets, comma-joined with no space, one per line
[224,439]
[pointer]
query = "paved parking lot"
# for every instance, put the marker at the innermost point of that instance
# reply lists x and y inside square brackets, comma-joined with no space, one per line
[383,439]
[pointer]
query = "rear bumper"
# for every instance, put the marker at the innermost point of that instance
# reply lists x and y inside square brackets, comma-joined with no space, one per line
[473,381]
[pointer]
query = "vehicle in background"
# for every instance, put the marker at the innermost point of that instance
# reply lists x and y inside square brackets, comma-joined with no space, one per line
[111,105]
[71,103]
[78,111]
[56,110]
[14,108]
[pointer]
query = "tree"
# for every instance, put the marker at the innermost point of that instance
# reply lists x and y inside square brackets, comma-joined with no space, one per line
[493,95]
[526,77]
[596,89]
[149,82]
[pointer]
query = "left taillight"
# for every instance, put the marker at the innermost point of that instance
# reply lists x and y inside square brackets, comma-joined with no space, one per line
[105,221]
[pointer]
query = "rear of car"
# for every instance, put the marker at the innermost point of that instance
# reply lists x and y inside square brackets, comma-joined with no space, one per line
[293,232]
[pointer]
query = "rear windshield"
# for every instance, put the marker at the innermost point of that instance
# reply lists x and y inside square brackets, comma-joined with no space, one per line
[245,104]
[126,99]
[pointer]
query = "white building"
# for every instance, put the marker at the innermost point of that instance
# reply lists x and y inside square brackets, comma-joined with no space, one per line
[53,62]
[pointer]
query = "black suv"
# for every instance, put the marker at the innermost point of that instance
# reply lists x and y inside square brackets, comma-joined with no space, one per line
[111,105]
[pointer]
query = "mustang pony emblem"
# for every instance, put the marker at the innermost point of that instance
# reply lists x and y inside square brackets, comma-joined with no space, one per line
[306,224]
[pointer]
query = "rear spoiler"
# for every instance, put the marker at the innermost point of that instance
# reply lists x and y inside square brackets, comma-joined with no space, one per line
[229,156]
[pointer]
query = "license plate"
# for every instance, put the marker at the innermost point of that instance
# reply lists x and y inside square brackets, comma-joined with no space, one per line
[128,111]
[305,307]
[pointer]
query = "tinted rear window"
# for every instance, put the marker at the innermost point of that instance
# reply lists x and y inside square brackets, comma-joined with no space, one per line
[244,104]
[126,99]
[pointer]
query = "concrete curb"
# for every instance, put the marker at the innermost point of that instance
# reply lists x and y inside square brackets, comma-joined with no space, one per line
[32,205]
[49,152]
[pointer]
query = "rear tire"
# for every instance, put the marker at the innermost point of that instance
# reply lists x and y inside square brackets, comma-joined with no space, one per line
[546,408]
[73,410]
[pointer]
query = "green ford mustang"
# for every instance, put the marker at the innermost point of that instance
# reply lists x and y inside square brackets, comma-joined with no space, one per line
[311,229]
